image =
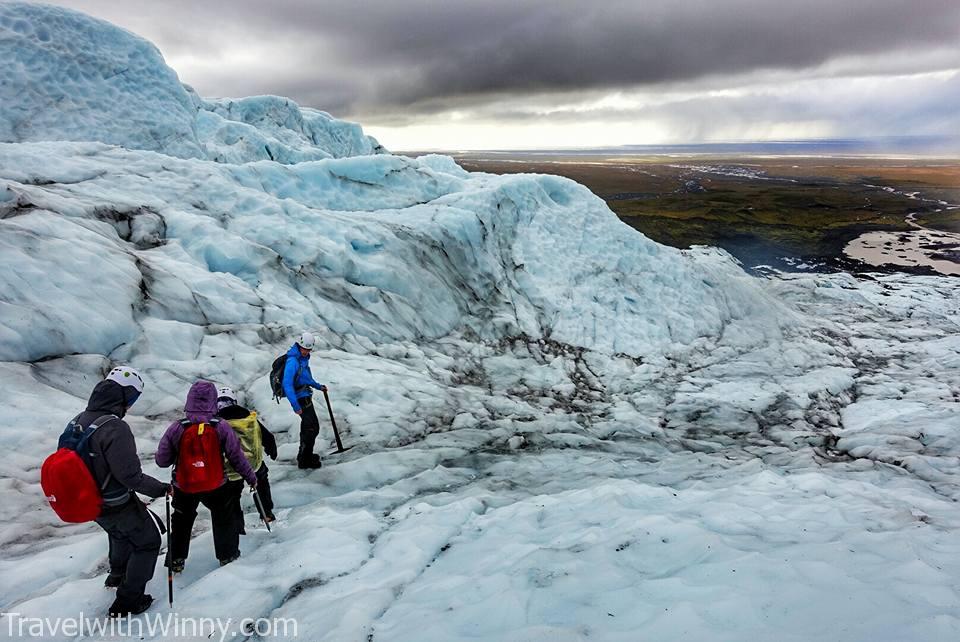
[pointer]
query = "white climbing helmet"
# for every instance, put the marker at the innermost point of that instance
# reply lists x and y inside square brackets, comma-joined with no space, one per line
[126,376]
[306,341]
[225,393]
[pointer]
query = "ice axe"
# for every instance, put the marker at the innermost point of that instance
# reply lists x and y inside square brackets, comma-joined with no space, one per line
[169,565]
[263,515]
[333,422]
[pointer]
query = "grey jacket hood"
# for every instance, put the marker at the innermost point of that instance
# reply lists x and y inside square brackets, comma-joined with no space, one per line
[109,397]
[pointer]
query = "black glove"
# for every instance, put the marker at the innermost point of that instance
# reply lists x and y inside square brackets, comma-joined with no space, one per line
[269,442]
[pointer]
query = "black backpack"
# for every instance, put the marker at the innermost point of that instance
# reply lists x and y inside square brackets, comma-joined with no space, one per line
[276,376]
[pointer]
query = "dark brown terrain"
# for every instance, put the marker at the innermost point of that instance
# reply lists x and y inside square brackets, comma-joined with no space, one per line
[780,211]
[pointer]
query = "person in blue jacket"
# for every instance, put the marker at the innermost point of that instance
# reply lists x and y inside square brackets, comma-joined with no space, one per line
[298,385]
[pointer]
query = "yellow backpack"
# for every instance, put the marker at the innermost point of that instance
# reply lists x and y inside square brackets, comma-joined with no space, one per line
[248,431]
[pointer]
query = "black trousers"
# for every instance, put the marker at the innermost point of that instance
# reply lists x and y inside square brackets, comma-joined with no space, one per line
[226,534]
[263,490]
[309,429]
[134,535]
[233,505]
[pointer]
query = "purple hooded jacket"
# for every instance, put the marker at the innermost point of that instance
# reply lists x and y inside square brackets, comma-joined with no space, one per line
[201,407]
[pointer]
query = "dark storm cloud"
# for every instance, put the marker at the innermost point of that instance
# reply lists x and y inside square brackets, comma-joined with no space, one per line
[371,56]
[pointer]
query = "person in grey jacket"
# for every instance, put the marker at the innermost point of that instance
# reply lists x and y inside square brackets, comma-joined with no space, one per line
[133,531]
[201,407]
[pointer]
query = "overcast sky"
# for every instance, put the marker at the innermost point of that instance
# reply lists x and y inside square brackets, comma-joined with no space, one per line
[465,74]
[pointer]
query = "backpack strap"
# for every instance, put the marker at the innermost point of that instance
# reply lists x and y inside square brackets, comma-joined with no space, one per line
[213,423]
[298,389]
[186,422]
[92,428]
[101,421]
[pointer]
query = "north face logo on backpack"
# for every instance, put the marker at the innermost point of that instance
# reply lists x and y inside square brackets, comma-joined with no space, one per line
[198,464]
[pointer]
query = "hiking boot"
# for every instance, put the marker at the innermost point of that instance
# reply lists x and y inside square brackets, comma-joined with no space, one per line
[177,565]
[232,558]
[312,462]
[113,580]
[120,608]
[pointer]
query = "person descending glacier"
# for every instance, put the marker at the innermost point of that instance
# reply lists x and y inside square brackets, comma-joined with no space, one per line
[132,529]
[297,383]
[199,475]
[255,440]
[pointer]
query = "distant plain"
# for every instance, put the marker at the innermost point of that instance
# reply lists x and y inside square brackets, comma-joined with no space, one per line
[786,212]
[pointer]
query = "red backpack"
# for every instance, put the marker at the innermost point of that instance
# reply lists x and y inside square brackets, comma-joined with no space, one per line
[66,479]
[199,459]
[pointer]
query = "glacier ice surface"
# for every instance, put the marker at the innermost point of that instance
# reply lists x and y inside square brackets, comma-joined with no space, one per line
[561,430]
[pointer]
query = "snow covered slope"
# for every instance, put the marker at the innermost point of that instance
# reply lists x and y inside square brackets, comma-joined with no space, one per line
[561,429]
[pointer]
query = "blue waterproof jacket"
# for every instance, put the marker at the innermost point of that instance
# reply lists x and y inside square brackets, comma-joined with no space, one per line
[297,379]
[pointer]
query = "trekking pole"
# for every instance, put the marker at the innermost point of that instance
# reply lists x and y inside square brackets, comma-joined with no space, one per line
[169,565]
[263,515]
[333,422]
